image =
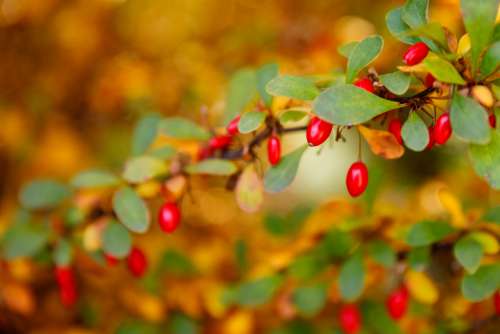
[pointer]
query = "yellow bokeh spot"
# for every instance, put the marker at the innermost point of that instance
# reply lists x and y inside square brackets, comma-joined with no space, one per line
[421,287]
[489,242]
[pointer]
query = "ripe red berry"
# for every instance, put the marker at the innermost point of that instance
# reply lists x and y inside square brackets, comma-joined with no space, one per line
[204,152]
[365,84]
[111,260]
[357,179]
[137,262]
[274,149]
[232,127]
[442,129]
[429,80]
[431,142]
[64,275]
[493,121]
[68,295]
[397,303]
[220,142]
[350,319]
[395,128]
[415,53]
[496,302]
[318,131]
[169,217]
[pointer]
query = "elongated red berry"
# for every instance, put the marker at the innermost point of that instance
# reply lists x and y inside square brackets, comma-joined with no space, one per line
[111,260]
[318,131]
[67,285]
[274,149]
[493,121]
[442,129]
[169,217]
[365,84]
[397,303]
[220,142]
[429,80]
[496,302]
[395,127]
[68,295]
[350,319]
[137,262]
[64,275]
[357,179]
[432,141]
[204,153]
[232,127]
[415,53]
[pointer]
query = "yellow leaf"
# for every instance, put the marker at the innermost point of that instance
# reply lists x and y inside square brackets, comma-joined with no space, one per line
[240,322]
[451,203]
[421,287]
[463,45]
[382,143]
[489,242]
[148,189]
[249,190]
[279,103]
[483,95]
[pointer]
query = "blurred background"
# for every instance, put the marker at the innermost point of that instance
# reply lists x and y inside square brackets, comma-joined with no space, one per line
[75,75]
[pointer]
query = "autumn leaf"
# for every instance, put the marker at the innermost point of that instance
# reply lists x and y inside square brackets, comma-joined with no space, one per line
[382,143]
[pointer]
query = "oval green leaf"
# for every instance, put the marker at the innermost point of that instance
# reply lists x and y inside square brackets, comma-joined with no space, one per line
[241,91]
[486,159]
[43,194]
[442,69]
[427,232]
[352,277]
[363,54]
[415,133]
[310,300]
[63,253]
[396,82]
[116,240]
[469,120]
[491,60]
[143,168]
[265,74]
[482,284]
[181,128]
[280,176]
[213,167]
[468,253]
[251,121]
[24,240]
[295,87]
[131,210]
[145,133]
[94,179]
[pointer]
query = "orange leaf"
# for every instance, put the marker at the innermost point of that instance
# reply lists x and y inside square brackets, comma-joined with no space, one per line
[382,143]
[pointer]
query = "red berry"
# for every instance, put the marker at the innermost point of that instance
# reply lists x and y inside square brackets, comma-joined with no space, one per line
[220,142]
[442,129]
[395,128]
[68,294]
[397,303]
[429,80]
[137,262]
[111,260]
[415,53]
[318,131]
[365,84]
[350,319]
[204,153]
[357,179]
[274,149]
[496,302]
[493,121]
[169,217]
[431,142]
[232,127]
[64,276]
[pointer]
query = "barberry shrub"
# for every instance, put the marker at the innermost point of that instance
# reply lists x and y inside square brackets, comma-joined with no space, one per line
[444,88]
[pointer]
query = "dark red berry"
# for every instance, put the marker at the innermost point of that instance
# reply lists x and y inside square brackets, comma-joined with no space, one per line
[395,127]
[365,84]
[111,260]
[442,129]
[220,142]
[318,131]
[350,319]
[397,303]
[67,285]
[64,275]
[496,302]
[232,127]
[429,80]
[415,53]
[357,179]
[68,295]
[493,121]
[204,153]
[431,142]
[169,217]
[137,262]
[274,149]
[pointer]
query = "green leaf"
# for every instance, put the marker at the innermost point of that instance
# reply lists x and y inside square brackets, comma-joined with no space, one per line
[182,324]
[362,55]
[336,244]
[418,258]
[213,167]
[137,327]
[377,320]
[468,253]
[352,277]
[295,87]
[469,120]
[63,253]
[427,232]
[241,91]
[491,60]
[116,240]
[278,225]
[382,253]
[292,115]
[241,255]
[257,292]
[251,121]
[280,176]
[350,105]
[397,82]
[346,49]
[43,194]
[163,153]
[144,168]
[486,159]
[397,27]
[94,179]
[265,74]
[434,31]
[415,12]
[482,284]
[479,19]
[307,266]
[415,133]
[145,133]
[24,240]
[176,263]
[131,210]
[181,128]
[310,300]
[442,69]
[492,215]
